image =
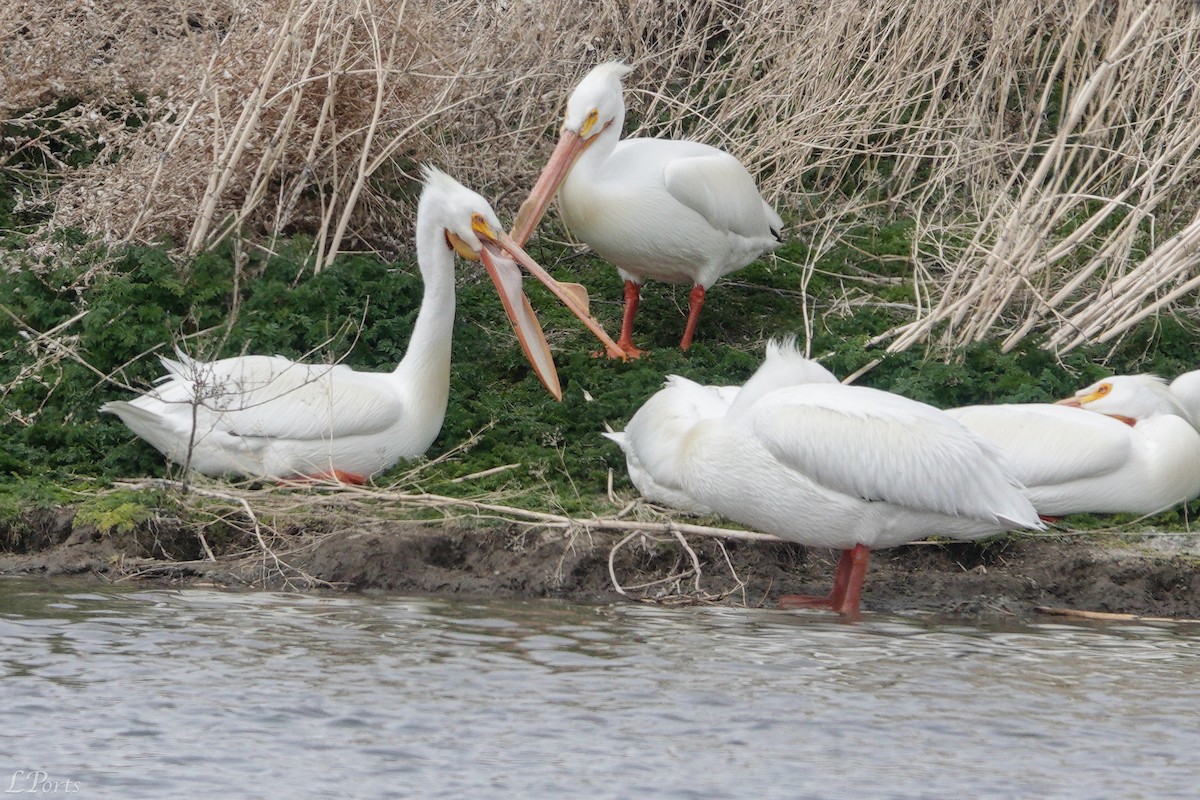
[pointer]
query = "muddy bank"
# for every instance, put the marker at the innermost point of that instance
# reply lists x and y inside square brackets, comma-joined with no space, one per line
[1145,575]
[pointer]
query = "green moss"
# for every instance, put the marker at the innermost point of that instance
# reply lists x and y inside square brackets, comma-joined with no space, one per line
[1179,518]
[120,517]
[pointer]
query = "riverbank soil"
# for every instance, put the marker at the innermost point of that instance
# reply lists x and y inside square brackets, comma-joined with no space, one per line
[1142,574]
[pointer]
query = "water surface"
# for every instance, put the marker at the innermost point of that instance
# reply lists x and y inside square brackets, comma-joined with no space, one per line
[116,692]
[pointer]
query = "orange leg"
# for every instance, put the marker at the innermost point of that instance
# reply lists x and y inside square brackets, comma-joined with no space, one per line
[851,583]
[841,575]
[847,586]
[695,302]
[633,296]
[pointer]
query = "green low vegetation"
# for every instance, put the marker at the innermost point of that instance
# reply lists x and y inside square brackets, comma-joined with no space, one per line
[937,142]
[361,310]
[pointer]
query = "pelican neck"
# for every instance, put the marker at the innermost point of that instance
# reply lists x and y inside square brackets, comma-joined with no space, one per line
[430,344]
[603,146]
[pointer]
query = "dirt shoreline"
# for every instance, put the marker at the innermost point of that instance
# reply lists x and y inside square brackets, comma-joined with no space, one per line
[1141,574]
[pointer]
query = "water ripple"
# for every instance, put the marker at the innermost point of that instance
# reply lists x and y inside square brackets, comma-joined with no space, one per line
[180,693]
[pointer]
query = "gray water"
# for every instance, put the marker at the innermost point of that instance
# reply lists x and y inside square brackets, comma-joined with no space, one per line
[198,693]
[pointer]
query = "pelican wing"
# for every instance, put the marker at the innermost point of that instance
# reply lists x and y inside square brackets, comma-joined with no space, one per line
[877,446]
[1050,444]
[718,188]
[271,396]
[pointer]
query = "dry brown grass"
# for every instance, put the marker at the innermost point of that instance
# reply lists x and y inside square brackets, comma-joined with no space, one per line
[1045,149]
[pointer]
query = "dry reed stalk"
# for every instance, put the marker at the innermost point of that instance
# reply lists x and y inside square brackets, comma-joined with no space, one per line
[371,500]
[1113,162]
[669,589]
[1108,616]
[1041,146]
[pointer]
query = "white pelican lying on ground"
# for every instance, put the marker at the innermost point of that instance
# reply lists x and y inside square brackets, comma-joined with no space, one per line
[669,210]
[1139,454]
[848,467]
[268,416]
[1186,389]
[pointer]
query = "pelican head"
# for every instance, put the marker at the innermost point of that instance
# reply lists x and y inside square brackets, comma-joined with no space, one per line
[472,229]
[468,220]
[1128,397]
[596,101]
[594,107]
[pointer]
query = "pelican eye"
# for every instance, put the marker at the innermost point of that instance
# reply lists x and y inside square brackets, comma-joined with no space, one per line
[1097,393]
[483,229]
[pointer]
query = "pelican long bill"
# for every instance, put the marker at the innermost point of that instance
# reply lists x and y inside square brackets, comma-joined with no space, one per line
[501,261]
[507,277]
[570,146]
[567,297]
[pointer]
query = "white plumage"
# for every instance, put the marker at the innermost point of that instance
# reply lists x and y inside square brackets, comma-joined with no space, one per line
[1126,444]
[1186,389]
[652,436]
[667,210]
[1123,445]
[837,466]
[269,416]
[668,416]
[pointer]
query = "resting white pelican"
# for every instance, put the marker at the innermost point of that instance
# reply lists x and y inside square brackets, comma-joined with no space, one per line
[667,417]
[652,436]
[1186,389]
[848,467]
[669,210]
[1139,454]
[268,416]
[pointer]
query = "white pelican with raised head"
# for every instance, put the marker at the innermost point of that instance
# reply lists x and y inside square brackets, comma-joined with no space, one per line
[271,417]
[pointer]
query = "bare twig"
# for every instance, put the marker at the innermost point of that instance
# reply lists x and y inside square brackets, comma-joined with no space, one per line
[1108,616]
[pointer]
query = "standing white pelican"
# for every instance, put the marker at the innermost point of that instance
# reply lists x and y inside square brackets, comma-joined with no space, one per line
[848,467]
[1139,454]
[669,210]
[268,416]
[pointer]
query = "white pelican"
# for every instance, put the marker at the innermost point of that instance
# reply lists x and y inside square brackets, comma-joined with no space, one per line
[1186,389]
[848,467]
[669,210]
[268,416]
[1139,454]
[667,417]
[652,435]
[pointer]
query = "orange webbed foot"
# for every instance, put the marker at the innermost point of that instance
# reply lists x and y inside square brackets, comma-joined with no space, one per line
[628,351]
[335,475]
